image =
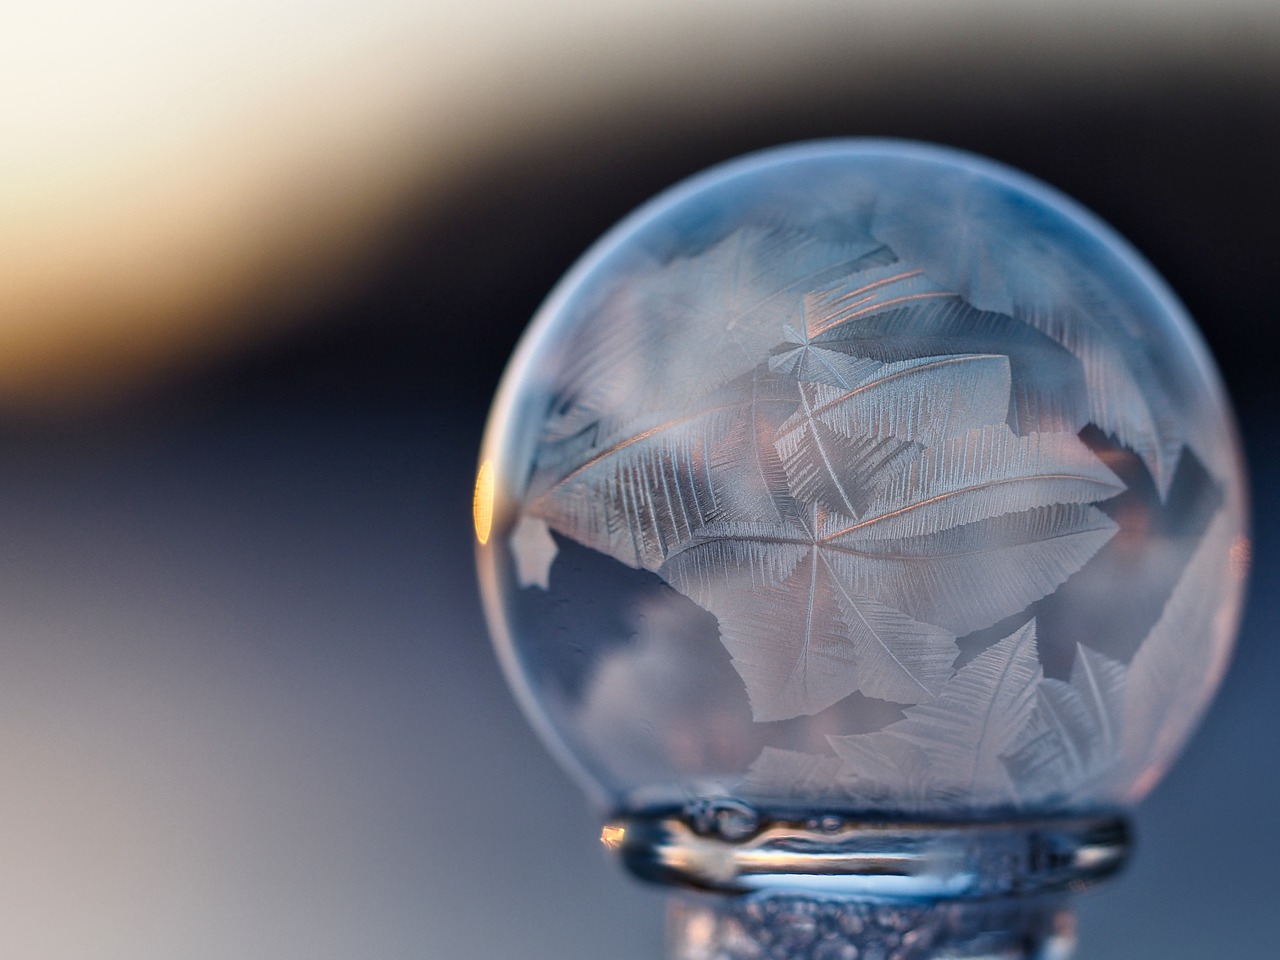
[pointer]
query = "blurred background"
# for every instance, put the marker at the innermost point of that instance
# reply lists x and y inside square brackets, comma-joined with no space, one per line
[261,264]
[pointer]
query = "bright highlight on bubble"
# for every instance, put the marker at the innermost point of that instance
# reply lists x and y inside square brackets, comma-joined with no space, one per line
[482,503]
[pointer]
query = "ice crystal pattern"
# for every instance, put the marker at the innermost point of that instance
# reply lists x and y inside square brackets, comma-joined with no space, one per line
[845,517]
[929,497]
[1001,734]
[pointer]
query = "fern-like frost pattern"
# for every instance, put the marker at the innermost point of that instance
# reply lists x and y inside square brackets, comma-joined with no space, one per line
[825,506]
[853,461]
[1071,743]
[950,749]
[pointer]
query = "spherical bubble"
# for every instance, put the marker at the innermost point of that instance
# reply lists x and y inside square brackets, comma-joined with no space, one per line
[863,477]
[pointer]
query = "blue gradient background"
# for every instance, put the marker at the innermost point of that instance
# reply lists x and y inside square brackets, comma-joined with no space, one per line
[250,710]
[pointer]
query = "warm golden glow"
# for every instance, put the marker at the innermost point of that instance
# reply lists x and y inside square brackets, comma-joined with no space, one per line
[177,179]
[612,837]
[482,505]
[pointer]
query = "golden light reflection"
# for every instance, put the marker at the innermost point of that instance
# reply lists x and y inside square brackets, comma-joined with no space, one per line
[482,504]
[612,836]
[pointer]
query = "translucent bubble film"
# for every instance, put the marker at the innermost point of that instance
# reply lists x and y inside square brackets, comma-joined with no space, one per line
[863,476]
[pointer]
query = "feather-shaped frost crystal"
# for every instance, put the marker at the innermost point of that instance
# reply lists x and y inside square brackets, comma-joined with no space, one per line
[865,472]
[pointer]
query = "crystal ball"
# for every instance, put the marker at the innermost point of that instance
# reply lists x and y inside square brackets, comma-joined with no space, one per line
[864,477]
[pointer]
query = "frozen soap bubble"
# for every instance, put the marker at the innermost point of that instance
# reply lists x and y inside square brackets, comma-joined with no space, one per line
[862,478]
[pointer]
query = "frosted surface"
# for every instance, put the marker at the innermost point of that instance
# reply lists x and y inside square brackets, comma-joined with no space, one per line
[863,476]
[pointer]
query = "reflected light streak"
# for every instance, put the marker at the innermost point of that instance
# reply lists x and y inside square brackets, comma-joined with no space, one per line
[482,504]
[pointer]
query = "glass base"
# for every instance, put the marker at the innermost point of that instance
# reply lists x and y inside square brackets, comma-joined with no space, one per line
[785,926]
